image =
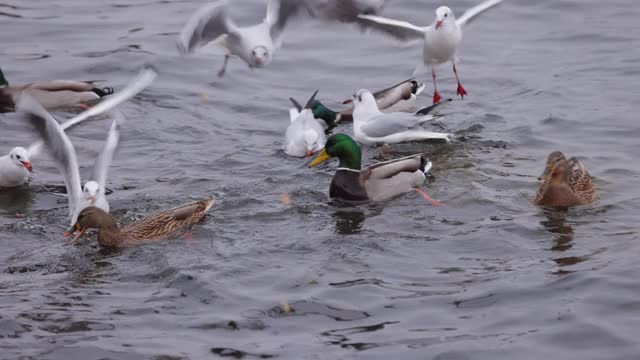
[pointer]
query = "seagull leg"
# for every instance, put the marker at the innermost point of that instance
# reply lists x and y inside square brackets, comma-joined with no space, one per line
[436,94]
[461,91]
[224,66]
[426,196]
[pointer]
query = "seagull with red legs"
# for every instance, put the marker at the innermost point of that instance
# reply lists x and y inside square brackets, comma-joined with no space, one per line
[441,39]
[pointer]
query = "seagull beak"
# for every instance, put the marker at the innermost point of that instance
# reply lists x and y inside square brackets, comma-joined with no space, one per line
[309,153]
[320,158]
[27,165]
[348,101]
[439,23]
[92,199]
[259,60]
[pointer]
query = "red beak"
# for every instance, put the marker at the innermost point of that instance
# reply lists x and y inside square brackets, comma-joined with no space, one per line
[348,101]
[92,199]
[309,153]
[259,60]
[438,23]
[27,165]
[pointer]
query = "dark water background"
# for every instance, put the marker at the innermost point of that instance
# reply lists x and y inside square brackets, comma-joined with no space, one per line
[488,276]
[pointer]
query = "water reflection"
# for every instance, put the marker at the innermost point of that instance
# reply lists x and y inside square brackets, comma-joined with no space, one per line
[15,200]
[349,220]
[556,224]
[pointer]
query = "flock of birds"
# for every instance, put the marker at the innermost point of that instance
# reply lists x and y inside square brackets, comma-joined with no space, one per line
[382,117]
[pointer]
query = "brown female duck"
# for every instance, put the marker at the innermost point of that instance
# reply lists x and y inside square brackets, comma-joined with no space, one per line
[565,183]
[155,227]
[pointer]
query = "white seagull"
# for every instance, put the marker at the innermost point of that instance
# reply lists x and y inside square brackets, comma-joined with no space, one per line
[256,44]
[371,126]
[16,167]
[305,135]
[64,154]
[441,39]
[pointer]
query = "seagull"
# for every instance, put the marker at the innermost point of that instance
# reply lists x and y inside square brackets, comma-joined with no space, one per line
[257,44]
[441,39]
[64,154]
[371,126]
[400,97]
[305,135]
[16,167]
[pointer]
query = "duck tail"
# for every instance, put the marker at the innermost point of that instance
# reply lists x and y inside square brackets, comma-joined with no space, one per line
[103,92]
[433,109]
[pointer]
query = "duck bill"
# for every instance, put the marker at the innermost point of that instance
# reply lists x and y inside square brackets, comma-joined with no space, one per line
[320,158]
[71,231]
[27,165]
[439,24]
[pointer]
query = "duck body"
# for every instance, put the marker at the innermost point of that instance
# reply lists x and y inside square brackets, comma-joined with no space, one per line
[155,227]
[565,183]
[378,182]
[51,94]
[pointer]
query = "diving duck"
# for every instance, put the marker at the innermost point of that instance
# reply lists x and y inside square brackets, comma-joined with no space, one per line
[565,183]
[400,97]
[51,94]
[306,134]
[160,226]
[378,182]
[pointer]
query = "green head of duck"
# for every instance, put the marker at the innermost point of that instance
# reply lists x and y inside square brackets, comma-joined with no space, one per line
[344,148]
[322,112]
[3,81]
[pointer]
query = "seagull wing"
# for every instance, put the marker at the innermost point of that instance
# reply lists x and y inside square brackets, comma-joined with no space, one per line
[400,30]
[389,124]
[103,161]
[144,79]
[475,11]
[207,24]
[60,147]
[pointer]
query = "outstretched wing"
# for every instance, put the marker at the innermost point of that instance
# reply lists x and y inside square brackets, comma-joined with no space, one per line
[144,79]
[101,167]
[207,24]
[61,149]
[400,30]
[475,11]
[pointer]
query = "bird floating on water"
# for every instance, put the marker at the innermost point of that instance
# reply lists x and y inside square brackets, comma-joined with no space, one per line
[305,135]
[155,227]
[378,182]
[565,183]
[51,94]
[440,39]
[397,98]
[257,44]
[371,126]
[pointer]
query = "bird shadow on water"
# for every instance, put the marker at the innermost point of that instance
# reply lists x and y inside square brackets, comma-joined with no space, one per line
[349,219]
[563,238]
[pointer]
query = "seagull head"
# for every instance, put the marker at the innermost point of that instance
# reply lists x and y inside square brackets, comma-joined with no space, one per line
[260,56]
[444,15]
[312,142]
[90,191]
[20,157]
[364,99]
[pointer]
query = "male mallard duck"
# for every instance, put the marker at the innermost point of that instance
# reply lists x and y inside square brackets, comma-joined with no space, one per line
[155,227]
[378,182]
[371,126]
[565,183]
[51,94]
[397,98]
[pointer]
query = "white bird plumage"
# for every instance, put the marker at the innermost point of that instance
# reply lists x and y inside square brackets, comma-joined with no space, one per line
[371,126]
[257,44]
[13,176]
[440,40]
[305,135]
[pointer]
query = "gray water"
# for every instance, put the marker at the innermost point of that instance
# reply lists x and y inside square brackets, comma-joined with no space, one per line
[488,276]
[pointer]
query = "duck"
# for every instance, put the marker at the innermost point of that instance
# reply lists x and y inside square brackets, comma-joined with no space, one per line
[305,135]
[400,97]
[565,183]
[371,126]
[376,183]
[156,227]
[52,94]
[64,155]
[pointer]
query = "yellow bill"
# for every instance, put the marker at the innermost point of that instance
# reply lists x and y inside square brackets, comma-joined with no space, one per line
[320,158]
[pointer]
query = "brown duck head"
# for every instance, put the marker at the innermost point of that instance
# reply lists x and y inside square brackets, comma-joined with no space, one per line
[553,180]
[92,218]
